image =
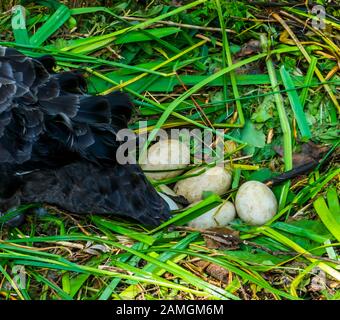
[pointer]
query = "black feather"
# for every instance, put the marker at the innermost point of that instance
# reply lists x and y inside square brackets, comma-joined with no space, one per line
[86,188]
[48,62]
[66,118]
[63,144]
[72,82]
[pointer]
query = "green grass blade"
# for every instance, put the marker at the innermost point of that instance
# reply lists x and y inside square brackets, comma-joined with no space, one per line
[308,80]
[141,277]
[191,213]
[183,274]
[303,232]
[86,10]
[12,282]
[297,280]
[58,18]
[329,219]
[291,244]
[172,106]
[107,292]
[137,36]
[295,104]
[162,64]
[333,203]
[19,25]
[180,9]
[132,291]
[139,236]
[228,57]
[245,274]
[61,293]
[85,46]
[284,122]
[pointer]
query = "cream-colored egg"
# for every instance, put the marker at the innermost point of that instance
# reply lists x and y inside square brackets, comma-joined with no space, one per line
[215,179]
[164,155]
[255,203]
[219,216]
[172,204]
[165,189]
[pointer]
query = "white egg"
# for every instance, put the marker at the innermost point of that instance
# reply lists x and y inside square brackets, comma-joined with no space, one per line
[172,204]
[165,189]
[219,216]
[255,203]
[215,179]
[166,155]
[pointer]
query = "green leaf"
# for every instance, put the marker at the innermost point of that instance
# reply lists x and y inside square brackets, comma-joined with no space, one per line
[107,292]
[167,84]
[58,18]
[192,213]
[304,230]
[308,80]
[19,25]
[137,36]
[329,219]
[252,136]
[333,203]
[264,110]
[295,104]
[132,291]
[77,282]
[94,43]
[261,175]
[124,231]
[61,293]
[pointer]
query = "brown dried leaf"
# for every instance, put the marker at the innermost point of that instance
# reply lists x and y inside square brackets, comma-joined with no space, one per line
[218,272]
[309,152]
[249,48]
[318,282]
[213,270]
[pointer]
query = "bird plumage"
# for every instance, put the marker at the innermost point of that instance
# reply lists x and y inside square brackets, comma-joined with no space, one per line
[64,142]
[39,110]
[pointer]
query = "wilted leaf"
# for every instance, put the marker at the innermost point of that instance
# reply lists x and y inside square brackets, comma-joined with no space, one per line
[250,47]
[309,152]
[318,282]
[222,238]
[213,270]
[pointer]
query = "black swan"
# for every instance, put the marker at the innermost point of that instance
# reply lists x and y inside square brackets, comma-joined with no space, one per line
[58,144]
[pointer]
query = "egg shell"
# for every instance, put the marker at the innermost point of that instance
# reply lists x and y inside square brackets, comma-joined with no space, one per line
[219,216]
[172,204]
[215,179]
[255,203]
[166,154]
[165,189]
